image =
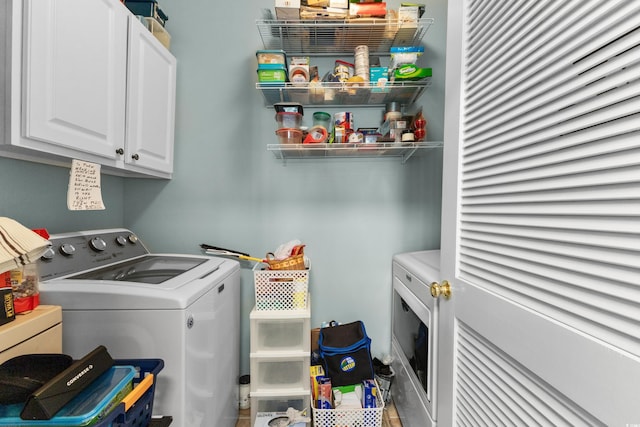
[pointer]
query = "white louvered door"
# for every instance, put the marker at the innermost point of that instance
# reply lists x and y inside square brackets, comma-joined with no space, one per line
[541,214]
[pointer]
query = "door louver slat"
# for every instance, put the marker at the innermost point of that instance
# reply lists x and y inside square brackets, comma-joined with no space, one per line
[551,162]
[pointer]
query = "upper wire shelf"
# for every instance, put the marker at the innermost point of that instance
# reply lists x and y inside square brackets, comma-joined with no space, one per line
[334,37]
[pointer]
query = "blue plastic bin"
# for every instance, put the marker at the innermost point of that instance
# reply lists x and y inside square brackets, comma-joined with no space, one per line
[128,386]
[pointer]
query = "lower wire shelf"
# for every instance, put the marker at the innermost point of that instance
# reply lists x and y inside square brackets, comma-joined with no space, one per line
[316,150]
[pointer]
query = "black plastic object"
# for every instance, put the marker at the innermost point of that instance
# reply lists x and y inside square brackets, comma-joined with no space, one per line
[288,107]
[43,403]
[23,375]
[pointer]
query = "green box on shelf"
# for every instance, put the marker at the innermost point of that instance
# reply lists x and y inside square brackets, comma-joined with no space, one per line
[272,73]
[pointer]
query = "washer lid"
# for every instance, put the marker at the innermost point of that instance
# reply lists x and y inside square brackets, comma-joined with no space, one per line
[151,269]
[152,282]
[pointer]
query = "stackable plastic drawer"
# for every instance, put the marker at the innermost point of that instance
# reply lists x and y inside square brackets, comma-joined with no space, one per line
[277,331]
[280,359]
[284,372]
[277,402]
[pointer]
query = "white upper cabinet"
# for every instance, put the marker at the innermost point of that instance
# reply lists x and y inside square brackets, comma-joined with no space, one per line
[151,101]
[86,80]
[75,74]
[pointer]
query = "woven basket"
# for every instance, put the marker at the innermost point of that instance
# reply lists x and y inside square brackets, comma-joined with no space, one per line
[295,262]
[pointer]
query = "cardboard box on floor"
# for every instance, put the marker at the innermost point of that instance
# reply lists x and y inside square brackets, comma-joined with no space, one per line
[315,334]
[267,419]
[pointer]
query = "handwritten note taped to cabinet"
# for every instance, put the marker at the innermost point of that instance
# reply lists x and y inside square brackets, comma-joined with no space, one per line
[84,192]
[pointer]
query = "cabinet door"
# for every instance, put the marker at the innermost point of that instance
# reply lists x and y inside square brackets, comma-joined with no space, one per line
[151,101]
[75,75]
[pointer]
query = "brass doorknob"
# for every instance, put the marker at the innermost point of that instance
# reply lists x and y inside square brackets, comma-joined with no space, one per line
[443,289]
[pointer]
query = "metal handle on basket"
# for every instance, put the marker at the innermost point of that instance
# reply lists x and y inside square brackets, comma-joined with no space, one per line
[137,392]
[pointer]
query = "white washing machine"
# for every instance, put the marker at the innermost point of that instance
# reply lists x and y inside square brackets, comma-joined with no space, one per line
[184,309]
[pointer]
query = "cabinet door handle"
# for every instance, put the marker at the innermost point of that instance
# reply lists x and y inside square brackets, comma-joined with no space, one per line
[120,151]
[135,156]
[408,277]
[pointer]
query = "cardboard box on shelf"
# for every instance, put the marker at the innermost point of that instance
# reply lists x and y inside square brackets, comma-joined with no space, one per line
[406,25]
[316,3]
[288,3]
[368,10]
[316,13]
[409,15]
[287,9]
[341,4]
[287,13]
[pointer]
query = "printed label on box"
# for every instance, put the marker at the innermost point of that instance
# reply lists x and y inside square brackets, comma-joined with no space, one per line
[342,4]
[268,419]
[288,3]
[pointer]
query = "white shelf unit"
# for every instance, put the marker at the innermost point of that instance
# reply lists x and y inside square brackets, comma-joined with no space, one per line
[330,37]
[338,38]
[280,351]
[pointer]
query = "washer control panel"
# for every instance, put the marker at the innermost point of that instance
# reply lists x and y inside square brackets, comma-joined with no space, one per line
[72,253]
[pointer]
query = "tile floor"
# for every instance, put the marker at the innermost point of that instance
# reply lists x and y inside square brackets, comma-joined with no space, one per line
[389,418]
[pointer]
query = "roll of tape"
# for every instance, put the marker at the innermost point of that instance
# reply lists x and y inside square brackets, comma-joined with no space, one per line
[356,137]
[299,74]
[407,137]
[317,134]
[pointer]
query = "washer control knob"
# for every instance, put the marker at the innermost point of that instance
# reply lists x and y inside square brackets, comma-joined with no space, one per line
[121,240]
[67,249]
[98,244]
[133,238]
[48,254]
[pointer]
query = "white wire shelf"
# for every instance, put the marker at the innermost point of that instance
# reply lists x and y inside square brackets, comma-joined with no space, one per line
[335,37]
[316,150]
[328,94]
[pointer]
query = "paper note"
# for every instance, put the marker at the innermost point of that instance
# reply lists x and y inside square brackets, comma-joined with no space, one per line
[84,192]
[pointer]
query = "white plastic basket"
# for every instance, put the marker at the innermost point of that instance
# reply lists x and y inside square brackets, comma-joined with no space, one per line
[365,417]
[281,289]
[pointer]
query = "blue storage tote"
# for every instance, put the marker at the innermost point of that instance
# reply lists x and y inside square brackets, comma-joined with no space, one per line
[121,397]
[87,408]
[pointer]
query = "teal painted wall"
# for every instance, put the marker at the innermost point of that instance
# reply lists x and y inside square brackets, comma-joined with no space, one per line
[36,196]
[228,190]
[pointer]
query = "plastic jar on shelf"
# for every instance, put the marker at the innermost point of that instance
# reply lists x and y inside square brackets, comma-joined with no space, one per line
[321,118]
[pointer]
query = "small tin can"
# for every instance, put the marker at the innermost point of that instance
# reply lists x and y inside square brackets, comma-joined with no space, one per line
[362,61]
[344,119]
[343,70]
[339,134]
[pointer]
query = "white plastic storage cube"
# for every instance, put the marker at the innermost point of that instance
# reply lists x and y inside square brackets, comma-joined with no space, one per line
[280,371]
[353,417]
[281,289]
[274,402]
[280,330]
